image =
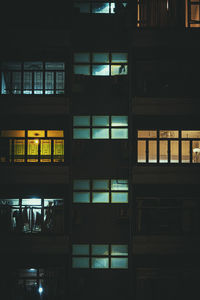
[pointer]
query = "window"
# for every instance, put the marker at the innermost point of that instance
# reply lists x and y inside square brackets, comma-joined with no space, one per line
[32,146]
[168,146]
[101,63]
[33,77]
[192,13]
[100,127]
[100,191]
[31,215]
[99,256]
[36,283]
[100,7]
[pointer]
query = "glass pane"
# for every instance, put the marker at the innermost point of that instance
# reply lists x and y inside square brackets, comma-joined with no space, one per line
[100,8]
[119,184]
[82,70]
[195,12]
[9,202]
[141,157]
[100,184]
[119,133]
[49,82]
[100,58]
[185,152]
[190,134]
[55,66]
[81,197]
[100,121]
[100,250]
[58,150]
[100,133]
[45,150]
[169,134]
[27,82]
[81,133]
[82,57]
[121,121]
[6,83]
[119,250]
[33,65]
[119,263]
[119,69]
[33,150]
[119,57]
[174,151]
[119,197]
[152,151]
[147,133]
[55,133]
[32,202]
[163,152]
[196,151]
[81,121]
[80,262]
[80,249]
[19,150]
[36,133]
[81,184]
[38,82]
[100,70]
[100,197]
[12,133]
[11,65]
[60,80]
[100,263]
[83,7]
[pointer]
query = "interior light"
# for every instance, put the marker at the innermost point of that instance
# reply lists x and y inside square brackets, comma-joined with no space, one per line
[196,150]
[167,5]
[32,270]
[40,290]
[36,141]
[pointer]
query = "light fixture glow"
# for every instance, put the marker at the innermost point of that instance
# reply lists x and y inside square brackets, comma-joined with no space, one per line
[36,141]
[40,290]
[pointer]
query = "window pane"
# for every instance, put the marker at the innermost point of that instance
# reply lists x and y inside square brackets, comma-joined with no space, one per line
[80,262]
[119,69]
[32,202]
[100,133]
[100,250]
[36,133]
[119,198]
[152,151]
[141,152]
[83,7]
[100,8]
[121,121]
[27,83]
[196,151]
[80,249]
[119,184]
[12,133]
[169,134]
[11,65]
[54,66]
[119,133]
[19,150]
[81,184]
[119,263]
[147,134]
[60,80]
[81,121]
[33,65]
[100,263]
[33,147]
[174,151]
[163,152]
[100,121]
[119,57]
[100,70]
[82,57]
[185,152]
[81,133]
[100,184]
[55,133]
[195,12]
[38,82]
[45,150]
[100,58]
[119,250]
[100,197]
[81,197]
[82,70]
[49,82]
[190,134]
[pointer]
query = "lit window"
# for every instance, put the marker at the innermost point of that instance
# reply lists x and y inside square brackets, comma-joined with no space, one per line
[32,146]
[32,215]
[32,77]
[168,146]
[100,7]
[101,63]
[100,191]
[99,256]
[100,127]
[192,16]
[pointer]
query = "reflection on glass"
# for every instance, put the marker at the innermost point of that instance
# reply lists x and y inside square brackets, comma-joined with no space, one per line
[100,70]
[152,151]
[163,152]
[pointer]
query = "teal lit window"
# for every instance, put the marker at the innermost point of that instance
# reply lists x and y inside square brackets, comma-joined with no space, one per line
[100,256]
[100,127]
[100,7]
[100,191]
[101,63]
[32,78]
